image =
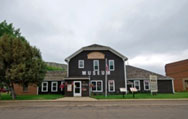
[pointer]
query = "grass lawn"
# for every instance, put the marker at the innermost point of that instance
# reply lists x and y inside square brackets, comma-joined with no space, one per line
[177,95]
[5,96]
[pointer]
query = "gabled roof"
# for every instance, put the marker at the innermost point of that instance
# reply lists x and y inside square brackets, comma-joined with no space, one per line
[138,73]
[95,47]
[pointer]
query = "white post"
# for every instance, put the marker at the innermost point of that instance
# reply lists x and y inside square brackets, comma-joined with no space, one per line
[106,78]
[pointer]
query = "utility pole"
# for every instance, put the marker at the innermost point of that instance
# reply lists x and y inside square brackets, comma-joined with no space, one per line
[106,72]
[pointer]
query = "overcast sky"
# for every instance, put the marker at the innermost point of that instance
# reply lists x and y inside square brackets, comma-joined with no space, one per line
[150,33]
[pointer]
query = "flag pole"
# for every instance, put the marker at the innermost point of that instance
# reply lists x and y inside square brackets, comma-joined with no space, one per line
[106,66]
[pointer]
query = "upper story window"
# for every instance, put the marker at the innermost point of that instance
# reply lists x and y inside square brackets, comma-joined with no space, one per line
[111,65]
[80,64]
[95,65]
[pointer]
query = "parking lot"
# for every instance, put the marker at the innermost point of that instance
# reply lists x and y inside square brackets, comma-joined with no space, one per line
[127,109]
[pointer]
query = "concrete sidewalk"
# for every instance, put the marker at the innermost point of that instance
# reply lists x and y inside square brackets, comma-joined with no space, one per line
[73,99]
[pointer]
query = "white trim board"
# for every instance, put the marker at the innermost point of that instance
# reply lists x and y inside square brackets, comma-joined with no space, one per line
[52,86]
[42,90]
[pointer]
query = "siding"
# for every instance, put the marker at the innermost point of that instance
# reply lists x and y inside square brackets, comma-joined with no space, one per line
[117,75]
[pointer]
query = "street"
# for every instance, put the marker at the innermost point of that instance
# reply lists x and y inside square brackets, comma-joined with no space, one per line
[128,109]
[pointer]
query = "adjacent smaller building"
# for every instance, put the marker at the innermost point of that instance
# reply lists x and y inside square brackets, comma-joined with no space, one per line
[52,82]
[179,71]
[140,78]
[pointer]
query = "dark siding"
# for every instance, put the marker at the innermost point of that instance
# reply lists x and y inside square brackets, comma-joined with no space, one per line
[165,86]
[49,88]
[117,75]
[66,92]
[85,88]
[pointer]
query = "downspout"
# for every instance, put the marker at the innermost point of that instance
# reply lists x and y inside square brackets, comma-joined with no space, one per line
[68,68]
[173,85]
[125,75]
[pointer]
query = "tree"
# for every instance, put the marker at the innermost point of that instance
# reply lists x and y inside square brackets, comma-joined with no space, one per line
[20,63]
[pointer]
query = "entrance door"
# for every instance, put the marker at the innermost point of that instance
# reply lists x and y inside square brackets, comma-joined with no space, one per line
[77,88]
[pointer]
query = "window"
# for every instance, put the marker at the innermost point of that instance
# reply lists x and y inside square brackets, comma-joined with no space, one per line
[80,64]
[146,85]
[111,86]
[137,84]
[44,86]
[95,65]
[54,87]
[111,65]
[97,86]
[25,87]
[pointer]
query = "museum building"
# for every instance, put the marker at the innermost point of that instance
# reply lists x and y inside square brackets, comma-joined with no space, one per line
[98,69]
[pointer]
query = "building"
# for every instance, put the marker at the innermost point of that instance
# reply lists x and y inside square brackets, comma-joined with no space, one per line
[179,71]
[95,70]
[87,67]
[50,85]
[52,82]
[140,78]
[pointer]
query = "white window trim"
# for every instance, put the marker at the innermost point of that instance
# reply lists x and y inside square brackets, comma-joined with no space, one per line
[138,83]
[43,87]
[79,64]
[96,85]
[53,86]
[94,65]
[145,85]
[113,65]
[109,86]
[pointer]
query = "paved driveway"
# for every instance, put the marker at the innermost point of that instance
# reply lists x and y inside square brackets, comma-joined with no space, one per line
[94,110]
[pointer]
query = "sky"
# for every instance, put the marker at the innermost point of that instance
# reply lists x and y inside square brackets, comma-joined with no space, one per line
[151,33]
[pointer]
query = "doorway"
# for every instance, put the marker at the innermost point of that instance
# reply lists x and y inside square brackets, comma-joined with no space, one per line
[77,88]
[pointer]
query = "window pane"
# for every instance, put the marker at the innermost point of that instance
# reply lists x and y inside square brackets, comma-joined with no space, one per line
[111,64]
[81,64]
[96,67]
[111,67]
[96,64]
[94,86]
[99,86]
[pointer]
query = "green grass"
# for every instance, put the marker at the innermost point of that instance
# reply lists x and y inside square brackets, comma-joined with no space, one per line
[177,95]
[52,68]
[5,96]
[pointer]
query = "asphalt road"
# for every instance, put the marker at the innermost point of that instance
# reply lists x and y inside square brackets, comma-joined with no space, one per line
[144,109]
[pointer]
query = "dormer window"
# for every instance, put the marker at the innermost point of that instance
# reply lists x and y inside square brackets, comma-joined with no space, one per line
[95,65]
[80,64]
[111,65]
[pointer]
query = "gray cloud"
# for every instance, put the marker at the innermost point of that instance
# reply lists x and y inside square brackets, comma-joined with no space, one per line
[135,28]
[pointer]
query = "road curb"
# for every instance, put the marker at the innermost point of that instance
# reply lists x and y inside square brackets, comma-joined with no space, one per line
[97,100]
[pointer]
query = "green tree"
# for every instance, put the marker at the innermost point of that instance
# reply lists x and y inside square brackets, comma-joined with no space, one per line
[20,63]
